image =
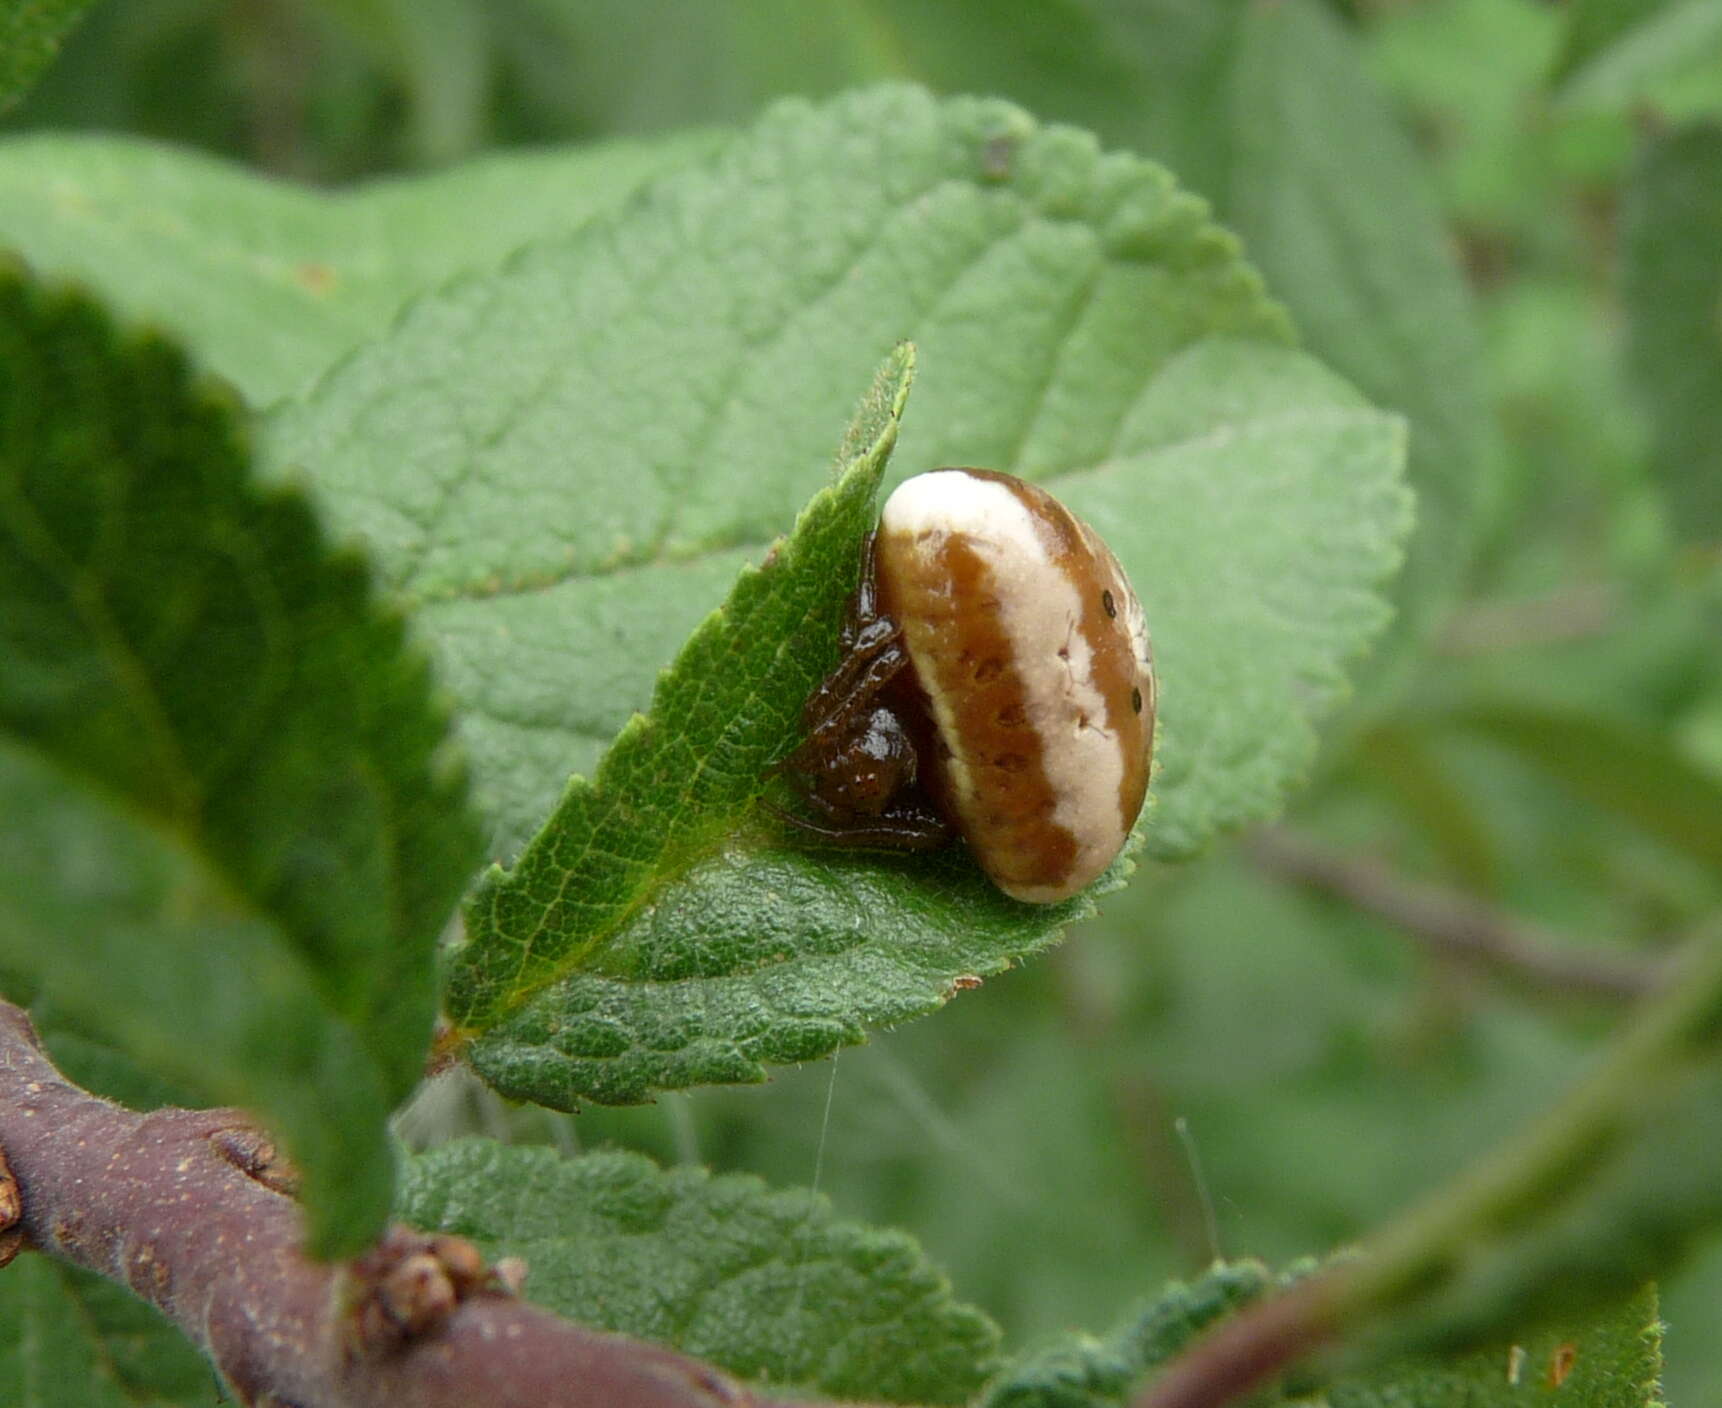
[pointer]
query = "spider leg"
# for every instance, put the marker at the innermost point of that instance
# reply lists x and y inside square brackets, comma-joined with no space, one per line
[908,830]
[843,696]
[912,816]
[854,683]
[864,605]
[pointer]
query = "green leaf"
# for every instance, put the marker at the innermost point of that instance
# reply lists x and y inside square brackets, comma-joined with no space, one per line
[1608,1360]
[128,934]
[562,468]
[268,283]
[70,1339]
[199,691]
[1672,278]
[769,1285]
[1612,1359]
[1083,1372]
[1593,25]
[80,1051]
[1253,497]
[1331,200]
[31,32]
[1620,50]
[1616,768]
[438,52]
[669,791]
[1265,109]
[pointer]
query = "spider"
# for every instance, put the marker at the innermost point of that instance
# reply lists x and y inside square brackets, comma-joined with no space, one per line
[995,683]
[858,764]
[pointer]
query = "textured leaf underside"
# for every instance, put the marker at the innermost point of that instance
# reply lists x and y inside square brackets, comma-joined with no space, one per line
[769,1285]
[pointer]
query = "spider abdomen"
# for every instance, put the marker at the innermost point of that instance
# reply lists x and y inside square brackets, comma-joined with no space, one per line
[1030,649]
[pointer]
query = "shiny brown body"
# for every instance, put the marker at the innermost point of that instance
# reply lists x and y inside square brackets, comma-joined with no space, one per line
[1026,639]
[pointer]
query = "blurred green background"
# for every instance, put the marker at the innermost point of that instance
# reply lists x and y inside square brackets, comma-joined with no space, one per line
[1502,217]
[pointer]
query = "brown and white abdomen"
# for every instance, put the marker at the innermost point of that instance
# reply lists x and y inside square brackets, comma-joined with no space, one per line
[1033,655]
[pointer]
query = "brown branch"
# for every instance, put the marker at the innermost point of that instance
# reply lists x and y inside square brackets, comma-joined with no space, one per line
[1453,922]
[1571,613]
[189,1216]
[1246,1351]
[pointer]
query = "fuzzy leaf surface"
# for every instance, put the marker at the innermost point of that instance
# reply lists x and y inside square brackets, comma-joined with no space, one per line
[268,283]
[563,467]
[71,1339]
[209,695]
[769,1285]
[1672,274]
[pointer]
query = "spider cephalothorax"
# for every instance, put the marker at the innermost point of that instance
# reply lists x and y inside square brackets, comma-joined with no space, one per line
[858,765]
